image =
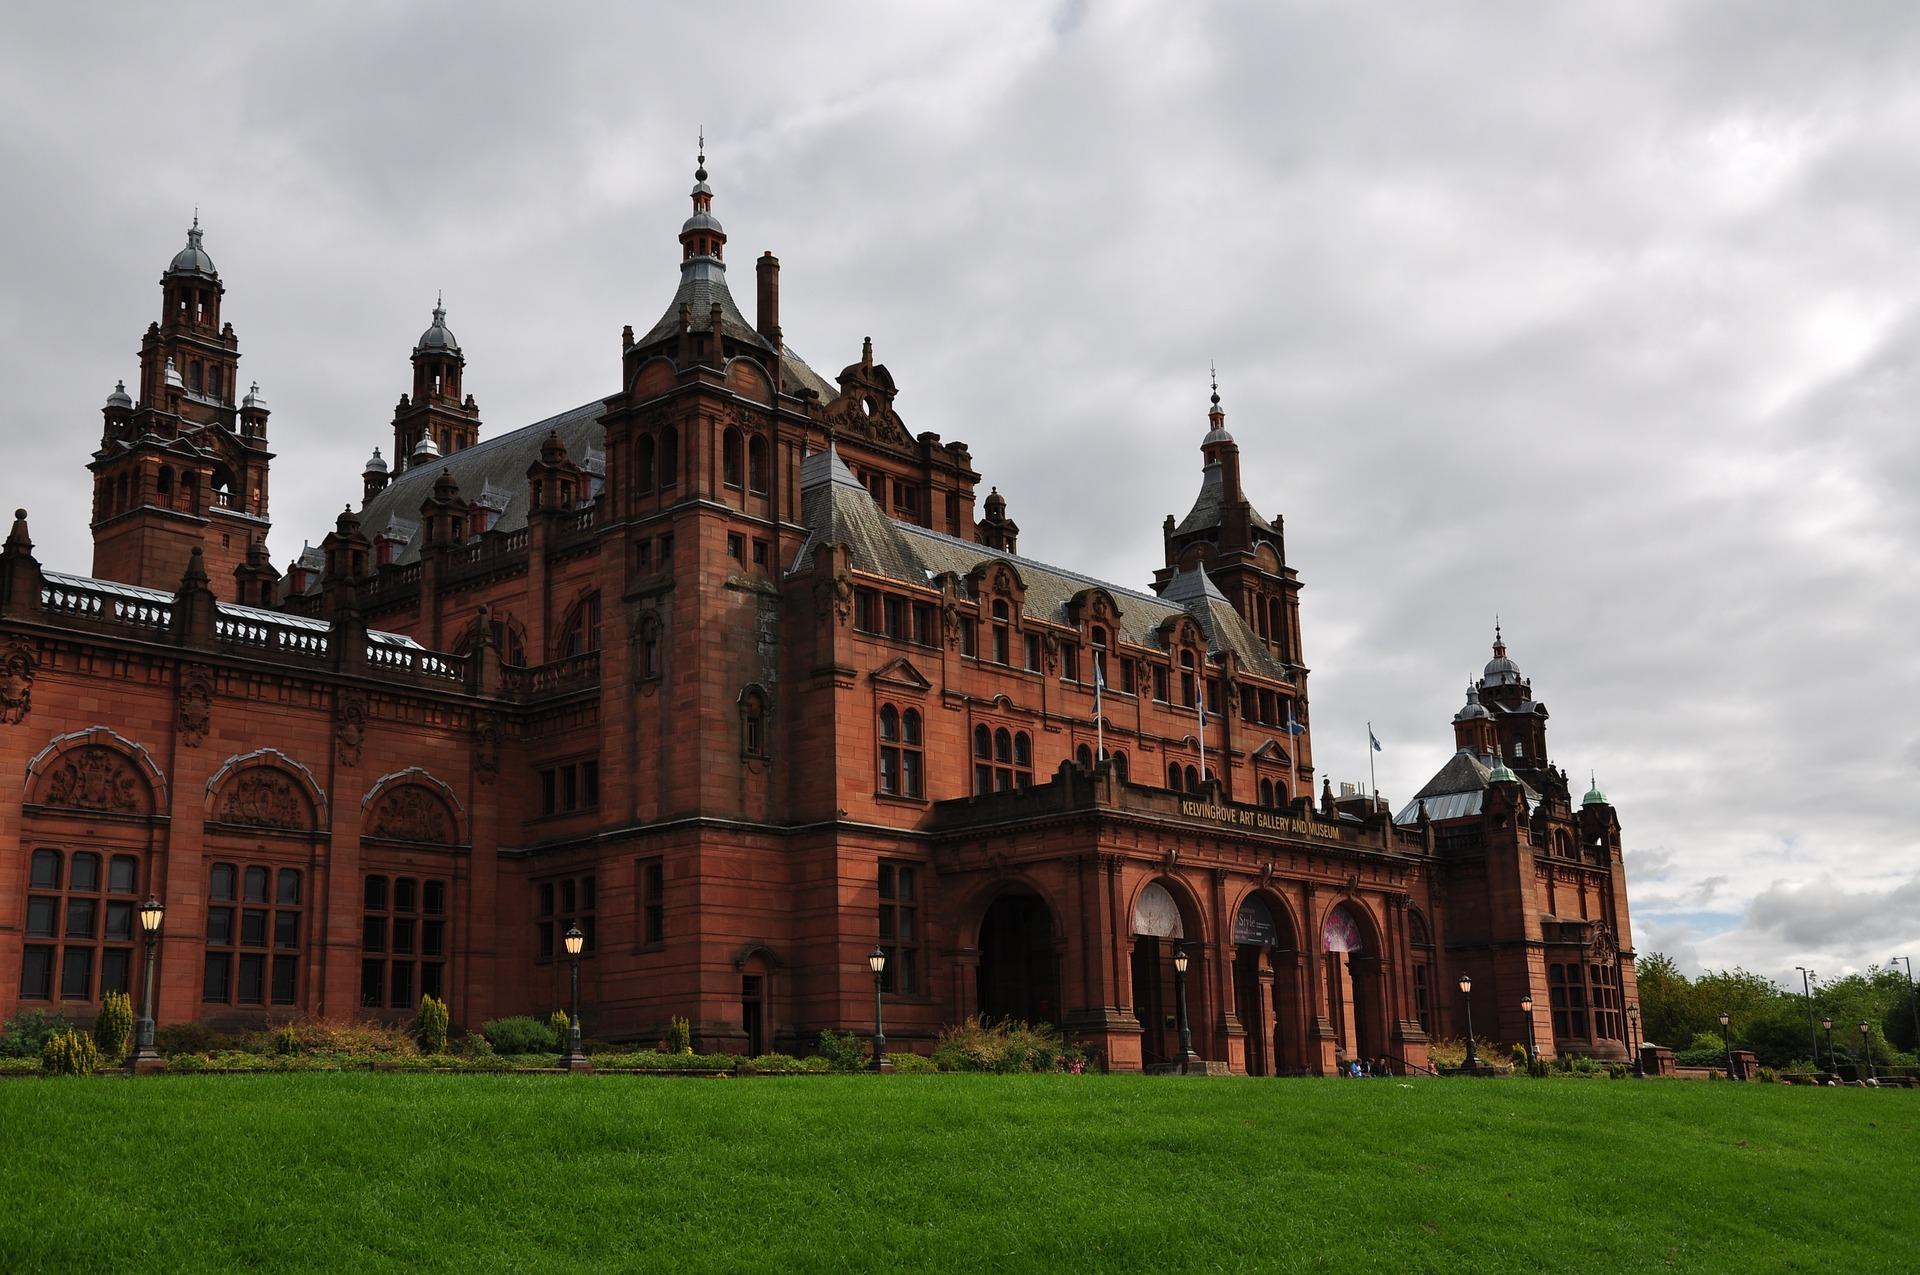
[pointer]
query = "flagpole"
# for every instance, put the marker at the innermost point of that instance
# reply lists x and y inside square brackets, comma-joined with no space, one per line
[1200,713]
[1372,780]
[1099,723]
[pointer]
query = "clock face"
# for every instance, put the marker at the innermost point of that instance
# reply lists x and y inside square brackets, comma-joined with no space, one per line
[1156,915]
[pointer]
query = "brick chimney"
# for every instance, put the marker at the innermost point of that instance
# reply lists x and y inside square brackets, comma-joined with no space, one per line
[767,313]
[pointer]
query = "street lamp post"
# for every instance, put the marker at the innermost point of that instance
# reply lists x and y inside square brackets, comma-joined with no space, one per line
[1466,992]
[1180,998]
[877,962]
[1833,1059]
[1806,989]
[1633,1042]
[1866,1047]
[145,1056]
[1526,1007]
[1726,1035]
[575,1059]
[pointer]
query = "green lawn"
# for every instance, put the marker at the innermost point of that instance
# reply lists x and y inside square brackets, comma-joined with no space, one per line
[481,1173]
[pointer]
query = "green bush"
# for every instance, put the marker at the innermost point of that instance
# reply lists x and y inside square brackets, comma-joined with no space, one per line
[843,1051]
[285,1041]
[654,1060]
[114,1027]
[472,1045]
[912,1064]
[518,1034]
[24,1035]
[189,1038]
[784,1064]
[679,1036]
[430,1025]
[69,1053]
[1005,1048]
[559,1025]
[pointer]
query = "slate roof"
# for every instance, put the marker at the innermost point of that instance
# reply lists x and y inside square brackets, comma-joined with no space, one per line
[495,467]
[1458,790]
[704,281]
[837,509]
[1206,510]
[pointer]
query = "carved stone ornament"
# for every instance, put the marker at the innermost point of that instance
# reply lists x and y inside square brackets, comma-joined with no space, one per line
[950,615]
[350,726]
[1601,947]
[94,778]
[16,682]
[838,595]
[1050,654]
[486,747]
[411,813]
[196,706]
[263,797]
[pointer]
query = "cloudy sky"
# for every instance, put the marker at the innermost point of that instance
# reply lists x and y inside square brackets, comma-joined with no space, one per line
[1602,318]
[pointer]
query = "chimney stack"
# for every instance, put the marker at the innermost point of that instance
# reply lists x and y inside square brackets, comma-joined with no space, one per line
[767,318]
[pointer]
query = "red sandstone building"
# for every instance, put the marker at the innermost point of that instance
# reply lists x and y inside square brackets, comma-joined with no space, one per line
[740,675]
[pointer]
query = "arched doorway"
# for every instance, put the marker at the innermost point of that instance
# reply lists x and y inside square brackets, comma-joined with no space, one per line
[1352,985]
[1019,977]
[1157,930]
[1265,964]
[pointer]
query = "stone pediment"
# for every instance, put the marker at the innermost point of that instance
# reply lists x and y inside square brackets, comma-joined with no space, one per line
[901,672]
[864,408]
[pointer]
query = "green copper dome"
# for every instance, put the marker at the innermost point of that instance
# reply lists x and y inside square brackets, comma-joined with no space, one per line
[1500,774]
[1594,796]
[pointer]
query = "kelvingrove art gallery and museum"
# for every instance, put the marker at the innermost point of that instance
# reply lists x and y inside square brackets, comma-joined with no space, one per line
[731,671]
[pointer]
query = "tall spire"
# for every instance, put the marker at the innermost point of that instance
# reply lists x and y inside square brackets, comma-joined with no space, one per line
[702,239]
[1217,441]
[1499,643]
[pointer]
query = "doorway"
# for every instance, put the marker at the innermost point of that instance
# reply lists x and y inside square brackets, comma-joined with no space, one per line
[1019,977]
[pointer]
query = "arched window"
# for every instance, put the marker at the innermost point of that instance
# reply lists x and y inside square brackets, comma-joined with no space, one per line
[194,379]
[757,465]
[1266,792]
[982,760]
[669,458]
[902,762]
[164,484]
[1186,678]
[1193,780]
[1275,633]
[643,465]
[1173,776]
[732,462]
[1083,757]
[213,381]
[1002,641]
[582,631]
[1119,761]
[1022,760]
[78,927]
[753,723]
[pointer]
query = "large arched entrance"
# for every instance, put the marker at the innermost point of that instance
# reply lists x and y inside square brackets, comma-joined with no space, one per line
[1266,964]
[1158,931]
[1019,977]
[1353,989]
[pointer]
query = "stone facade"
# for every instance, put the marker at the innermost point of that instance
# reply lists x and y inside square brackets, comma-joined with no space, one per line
[727,669]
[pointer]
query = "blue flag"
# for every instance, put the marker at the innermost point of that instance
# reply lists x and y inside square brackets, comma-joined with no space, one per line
[1293,727]
[1372,738]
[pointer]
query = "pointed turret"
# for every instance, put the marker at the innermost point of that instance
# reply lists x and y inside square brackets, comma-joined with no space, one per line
[437,409]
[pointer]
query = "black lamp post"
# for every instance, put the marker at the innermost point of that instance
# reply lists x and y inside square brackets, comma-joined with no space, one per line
[1466,994]
[1526,1007]
[1180,999]
[1633,1042]
[1833,1059]
[877,962]
[1866,1047]
[575,943]
[1726,1035]
[1913,997]
[144,1055]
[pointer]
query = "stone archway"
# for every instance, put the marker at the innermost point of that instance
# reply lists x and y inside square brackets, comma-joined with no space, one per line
[1353,991]
[1019,975]
[1266,999]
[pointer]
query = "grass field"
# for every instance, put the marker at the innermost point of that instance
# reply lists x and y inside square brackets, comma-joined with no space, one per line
[482,1173]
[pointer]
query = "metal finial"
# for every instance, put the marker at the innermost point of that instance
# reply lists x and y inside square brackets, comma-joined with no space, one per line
[1213,375]
[196,216]
[1496,628]
[700,172]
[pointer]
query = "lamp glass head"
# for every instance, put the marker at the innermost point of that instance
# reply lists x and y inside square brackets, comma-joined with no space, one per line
[1466,982]
[575,940]
[877,960]
[1180,960]
[152,912]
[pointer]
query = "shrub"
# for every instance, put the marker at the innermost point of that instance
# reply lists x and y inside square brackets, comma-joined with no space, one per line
[318,1036]
[911,1064]
[26,1033]
[188,1038]
[844,1051]
[69,1053]
[114,1027]
[285,1041]
[654,1060]
[518,1034]
[430,1025]
[1004,1047]
[558,1026]
[679,1036]
[784,1064]
[473,1045]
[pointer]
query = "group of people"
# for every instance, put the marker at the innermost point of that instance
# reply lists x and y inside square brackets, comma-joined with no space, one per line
[1365,1068]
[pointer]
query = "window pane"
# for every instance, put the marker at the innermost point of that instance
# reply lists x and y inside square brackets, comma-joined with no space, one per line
[545,936]
[286,929]
[403,935]
[122,873]
[219,972]
[284,973]
[36,973]
[405,896]
[220,881]
[256,885]
[253,927]
[432,938]
[568,898]
[435,898]
[46,870]
[372,983]
[376,894]
[116,964]
[431,983]
[43,916]
[402,985]
[76,974]
[373,937]
[289,886]
[80,918]
[85,873]
[120,921]
[219,927]
[546,899]
[253,971]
